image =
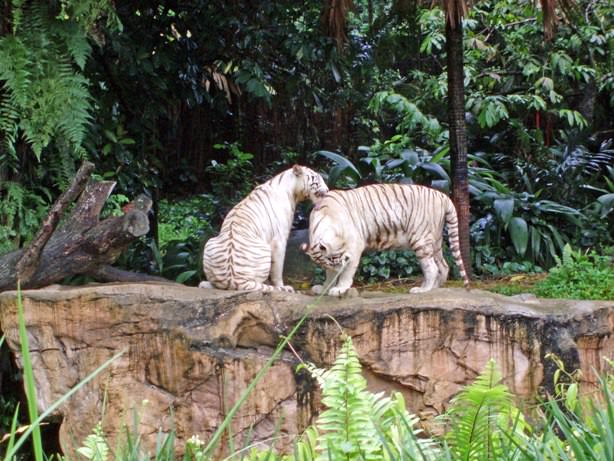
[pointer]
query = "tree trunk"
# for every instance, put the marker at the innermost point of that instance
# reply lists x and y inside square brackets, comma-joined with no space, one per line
[458,137]
[82,244]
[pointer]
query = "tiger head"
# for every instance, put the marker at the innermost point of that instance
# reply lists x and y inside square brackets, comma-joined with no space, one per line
[327,252]
[308,184]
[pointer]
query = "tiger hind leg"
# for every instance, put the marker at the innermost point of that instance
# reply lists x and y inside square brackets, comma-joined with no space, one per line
[430,272]
[442,269]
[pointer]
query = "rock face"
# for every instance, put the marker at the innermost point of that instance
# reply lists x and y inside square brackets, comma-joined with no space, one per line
[191,352]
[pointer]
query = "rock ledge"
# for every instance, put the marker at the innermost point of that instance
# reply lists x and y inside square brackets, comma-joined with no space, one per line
[191,352]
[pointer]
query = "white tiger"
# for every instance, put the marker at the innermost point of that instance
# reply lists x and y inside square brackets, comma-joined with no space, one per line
[251,245]
[379,217]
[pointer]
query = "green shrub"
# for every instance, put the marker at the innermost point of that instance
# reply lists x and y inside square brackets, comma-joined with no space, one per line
[384,265]
[234,179]
[185,219]
[182,228]
[21,211]
[579,275]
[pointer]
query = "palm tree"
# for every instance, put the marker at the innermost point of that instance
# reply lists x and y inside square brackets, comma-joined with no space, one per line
[455,11]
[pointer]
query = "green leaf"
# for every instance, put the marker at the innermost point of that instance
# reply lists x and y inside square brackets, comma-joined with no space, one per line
[536,241]
[29,382]
[110,135]
[504,209]
[185,276]
[335,72]
[519,233]
[435,168]
[607,204]
[340,160]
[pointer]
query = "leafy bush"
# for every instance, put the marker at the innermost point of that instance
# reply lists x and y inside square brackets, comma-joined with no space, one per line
[186,219]
[21,211]
[234,179]
[386,265]
[579,275]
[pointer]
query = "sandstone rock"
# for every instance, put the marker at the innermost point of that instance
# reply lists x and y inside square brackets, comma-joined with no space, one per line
[191,352]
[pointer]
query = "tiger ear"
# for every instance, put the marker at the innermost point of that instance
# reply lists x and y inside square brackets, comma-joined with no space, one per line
[297,170]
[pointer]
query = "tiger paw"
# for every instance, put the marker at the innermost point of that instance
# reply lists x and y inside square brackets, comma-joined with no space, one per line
[317,289]
[336,291]
[286,288]
[205,284]
[419,290]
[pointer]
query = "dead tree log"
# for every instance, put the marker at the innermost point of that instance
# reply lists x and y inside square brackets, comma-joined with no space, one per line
[81,243]
[29,260]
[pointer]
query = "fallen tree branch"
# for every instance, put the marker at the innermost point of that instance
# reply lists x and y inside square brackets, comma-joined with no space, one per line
[114,274]
[29,260]
[82,244]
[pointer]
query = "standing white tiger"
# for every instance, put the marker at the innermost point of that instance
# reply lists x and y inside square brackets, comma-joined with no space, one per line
[251,245]
[380,217]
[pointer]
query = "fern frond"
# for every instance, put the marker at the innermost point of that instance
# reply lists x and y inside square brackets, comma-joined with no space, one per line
[75,42]
[17,14]
[95,446]
[44,94]
[475,414]
[360,425]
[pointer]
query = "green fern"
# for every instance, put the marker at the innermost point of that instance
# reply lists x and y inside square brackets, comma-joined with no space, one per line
[483,421]
[95,447]
[20,213]
[44,94]
[62,165]
[347,430]
[357,424]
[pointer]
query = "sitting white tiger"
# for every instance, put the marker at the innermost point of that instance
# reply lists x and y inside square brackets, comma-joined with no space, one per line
[380,217]
[251,245]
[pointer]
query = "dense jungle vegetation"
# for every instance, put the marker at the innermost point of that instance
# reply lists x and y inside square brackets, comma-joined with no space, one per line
[196,102]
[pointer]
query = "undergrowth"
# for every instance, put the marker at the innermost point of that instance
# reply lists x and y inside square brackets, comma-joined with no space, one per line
[579,275]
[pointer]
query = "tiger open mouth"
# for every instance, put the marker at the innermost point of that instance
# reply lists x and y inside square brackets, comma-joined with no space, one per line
[333,262]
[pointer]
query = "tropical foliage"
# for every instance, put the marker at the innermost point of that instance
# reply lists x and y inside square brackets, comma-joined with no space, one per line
[170,99]
[579,275]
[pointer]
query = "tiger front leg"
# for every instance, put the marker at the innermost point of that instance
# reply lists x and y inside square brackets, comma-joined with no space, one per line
[278,254]
[319,289]
[346,278]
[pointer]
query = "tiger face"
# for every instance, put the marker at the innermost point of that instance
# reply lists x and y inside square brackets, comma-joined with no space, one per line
[329,254]
[309,184]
